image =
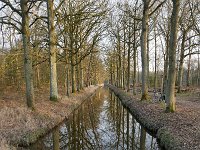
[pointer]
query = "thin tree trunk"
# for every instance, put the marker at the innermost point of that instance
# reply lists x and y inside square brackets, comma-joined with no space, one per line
[198,73]
[148,82]
[170,99]
[134,57]
[67,74]
[27,54]
[155,73]
[189,66]
[138,69]
[52,52]
[124,57]
[119,61]
[180,71]
[77,74]
[166,66]
[81,76]
[72,74]
[129,53]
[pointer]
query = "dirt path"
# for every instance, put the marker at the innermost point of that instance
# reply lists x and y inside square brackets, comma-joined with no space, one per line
[175,131]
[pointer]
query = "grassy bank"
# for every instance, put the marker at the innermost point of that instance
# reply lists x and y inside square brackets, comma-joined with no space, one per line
[22,126]
[175,131]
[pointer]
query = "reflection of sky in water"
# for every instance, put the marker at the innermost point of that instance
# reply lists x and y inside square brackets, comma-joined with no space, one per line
[105,125]
[101,124]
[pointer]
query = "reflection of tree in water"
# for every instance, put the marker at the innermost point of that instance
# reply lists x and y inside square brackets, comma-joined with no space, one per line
[100,123]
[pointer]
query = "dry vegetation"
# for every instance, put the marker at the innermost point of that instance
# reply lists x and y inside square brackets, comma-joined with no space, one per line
[21,126]
[175,131]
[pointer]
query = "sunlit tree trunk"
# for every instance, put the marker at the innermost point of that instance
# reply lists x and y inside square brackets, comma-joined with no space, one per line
[52,52]
[170,99]
[27,54]
[144,38]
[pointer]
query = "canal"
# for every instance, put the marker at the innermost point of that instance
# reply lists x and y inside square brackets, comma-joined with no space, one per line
[100,123]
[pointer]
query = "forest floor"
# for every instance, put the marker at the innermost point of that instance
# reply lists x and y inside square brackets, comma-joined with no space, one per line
[21,126]
[175,131]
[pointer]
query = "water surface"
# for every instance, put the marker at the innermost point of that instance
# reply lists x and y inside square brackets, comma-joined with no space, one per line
[100,123]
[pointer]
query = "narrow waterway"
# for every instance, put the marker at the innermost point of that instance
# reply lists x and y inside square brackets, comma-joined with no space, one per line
[100,123]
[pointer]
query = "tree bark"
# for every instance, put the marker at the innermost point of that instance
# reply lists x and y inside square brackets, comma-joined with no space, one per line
[119,61]
[52,52]
[134,57]
[170,98]
[198,71]
[155,65]
[129,53]
[27,54]
[180,71]
[189,66]
[144,38]
[124,57]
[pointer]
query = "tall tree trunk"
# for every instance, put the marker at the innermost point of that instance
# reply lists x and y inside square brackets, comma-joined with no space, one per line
[155,72]
[148,82]
[124,57]
[170,99]
[119,61]
[198,71]
[52,52]
[166,66]
[67,74]
[189,66]
[138,68]
[134,57]
[144,38]
[129,53]
[180,71]
[27,54]
[81,76]
[72,74]
[77,74]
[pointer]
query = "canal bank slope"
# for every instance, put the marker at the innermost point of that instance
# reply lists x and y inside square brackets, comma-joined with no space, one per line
[22,126]
[175,131]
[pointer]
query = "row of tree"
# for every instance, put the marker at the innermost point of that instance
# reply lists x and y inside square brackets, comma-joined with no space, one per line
[56,36]
[166,34]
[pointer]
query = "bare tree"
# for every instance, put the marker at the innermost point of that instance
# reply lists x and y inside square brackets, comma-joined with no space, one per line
[22,12]
[170,99]
[52,52]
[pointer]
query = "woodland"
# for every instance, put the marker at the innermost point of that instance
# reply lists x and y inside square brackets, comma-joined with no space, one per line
[61,47]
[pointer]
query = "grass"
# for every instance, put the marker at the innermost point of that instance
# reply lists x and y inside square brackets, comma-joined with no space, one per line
[4,145]
[21,125]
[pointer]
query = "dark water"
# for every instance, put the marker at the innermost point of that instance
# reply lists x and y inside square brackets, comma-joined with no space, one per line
[101,123]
